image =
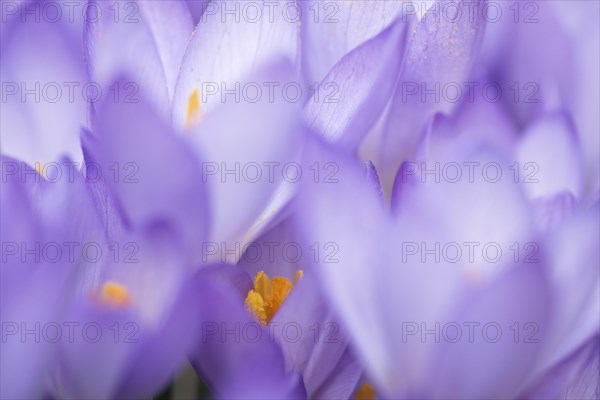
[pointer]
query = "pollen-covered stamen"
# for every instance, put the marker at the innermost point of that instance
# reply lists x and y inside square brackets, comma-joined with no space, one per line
[115,295]
[365,392]
[194,112]
[268,295]
[256,305]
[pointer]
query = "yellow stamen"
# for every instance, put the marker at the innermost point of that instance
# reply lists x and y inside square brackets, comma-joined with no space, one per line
[262,285]
[39,168]
[281,288]
[365,392]
[256,305]
[115,295]
[268,295]
[194,112]
[298,276]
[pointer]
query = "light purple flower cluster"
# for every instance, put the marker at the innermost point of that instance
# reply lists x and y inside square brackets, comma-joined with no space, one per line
[300,199]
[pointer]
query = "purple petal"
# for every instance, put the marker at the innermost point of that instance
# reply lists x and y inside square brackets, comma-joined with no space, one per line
[153,267]
[166,349]
[354,93]
[482,369]
[483,207]
[142,346]
[393,288]
[572,374]
[225,52]
[266,133]
[18,222]
[346,25]
[28,356]
[171,27]
[145,40]
[197,9]
[439,53]
[54,214]
[344,379]
[344,218]
[587,384]
[92,361]
[561,76]
[304,326]
[574,257]
[277,210]
[233,347]
[43,74]
[277,252]
[160,182]
[475,123]
[99,189]
[551,148]
[553,210]
[316,342]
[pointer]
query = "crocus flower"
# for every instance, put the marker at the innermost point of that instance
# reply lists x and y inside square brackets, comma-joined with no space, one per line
[189,68]
[250,344]
[136,300]
[116,139]
[546,161]
[151,293]
[469,270]
[549,143]
[141,309]
[131,306]
[402,296]
[286,297]
[235,355]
